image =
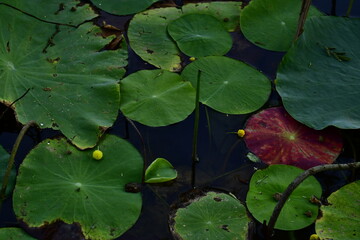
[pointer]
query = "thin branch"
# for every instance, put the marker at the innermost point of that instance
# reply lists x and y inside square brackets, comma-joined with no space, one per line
[299,179]
[12,159]
[302,17]
[349,8]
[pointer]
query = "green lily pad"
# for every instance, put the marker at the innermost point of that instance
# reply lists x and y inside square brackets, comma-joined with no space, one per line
[272,24]
[319,78]
[123,7]
[152,24]
[227,85]
[213,216]
[276,138]
[156,97]
[267,185]
[341,218]
[14,234]
[71,186]
[159,171]
[64,89]
[65,12]
[200,35]
[4,159]
[226,12]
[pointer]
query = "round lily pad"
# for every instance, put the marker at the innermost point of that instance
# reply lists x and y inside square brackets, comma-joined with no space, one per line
[266,187]
[228,85]
[64,12]
[123,7]
[71,186]
[276,138]
[341,217]
[319,78]
[160,170]
[213,216]
[63,90]
[272,24]
[156,97]
[152,24]
[12,233]
[200,35]
[4,159]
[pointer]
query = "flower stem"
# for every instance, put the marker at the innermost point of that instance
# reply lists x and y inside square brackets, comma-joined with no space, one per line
[194,155]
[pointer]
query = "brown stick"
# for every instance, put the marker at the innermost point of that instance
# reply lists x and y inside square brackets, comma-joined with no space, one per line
[299,179]
[302,17]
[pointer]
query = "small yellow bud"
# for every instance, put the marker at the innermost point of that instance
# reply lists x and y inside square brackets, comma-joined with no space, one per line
[241,133]
[314,237]
[275,82]
[97,154]
[192,59]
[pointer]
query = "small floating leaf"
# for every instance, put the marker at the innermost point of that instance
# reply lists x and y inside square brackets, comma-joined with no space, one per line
[160,170]
[341,217]
[156,97]
[227,85]
[267,185]
[200,35]
[213,216]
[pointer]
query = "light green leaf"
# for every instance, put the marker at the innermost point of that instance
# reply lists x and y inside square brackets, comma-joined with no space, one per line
[227,85]
[65,90]
[71,186]
[267,185]
[123,7]
[213,216]
[160,170]
[200,35]
[65,11]
[272,24]
[14,234]
[318,89]
[341,217]
[156,97]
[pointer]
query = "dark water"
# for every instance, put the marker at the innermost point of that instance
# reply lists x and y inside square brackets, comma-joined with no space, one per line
[222,165]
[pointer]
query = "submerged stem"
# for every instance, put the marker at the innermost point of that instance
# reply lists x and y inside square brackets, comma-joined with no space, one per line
[194,155]
[297,181]
[349,8]
[12,159]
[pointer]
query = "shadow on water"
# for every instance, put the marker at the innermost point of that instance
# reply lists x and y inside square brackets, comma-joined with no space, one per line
[223,164]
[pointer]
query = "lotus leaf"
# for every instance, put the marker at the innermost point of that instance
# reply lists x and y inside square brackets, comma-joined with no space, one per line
[123,7]
[62,89]
[65,12]
[276,138]
[149,38]
[341,217]
[71,186]
[14,234]
[271,24]
[4,159]
[266,187]
[200,35]
[156,97]
[160,170]
[213,216]
[319,78]
[227,85]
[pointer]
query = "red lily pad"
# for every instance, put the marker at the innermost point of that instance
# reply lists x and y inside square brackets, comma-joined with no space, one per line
[276,138]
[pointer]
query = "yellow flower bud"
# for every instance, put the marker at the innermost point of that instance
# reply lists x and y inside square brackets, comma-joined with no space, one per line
[241,133]
[192,59]
[314,237]
[97,154]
